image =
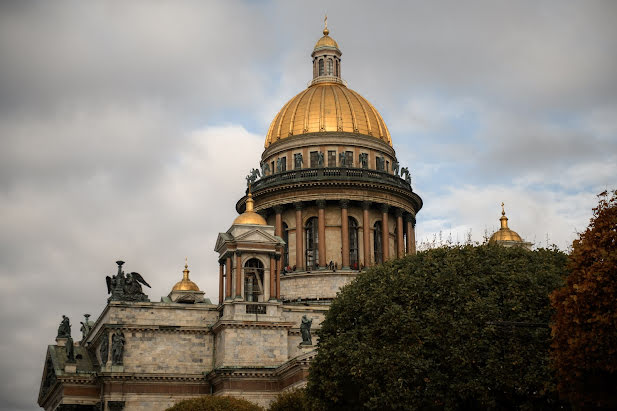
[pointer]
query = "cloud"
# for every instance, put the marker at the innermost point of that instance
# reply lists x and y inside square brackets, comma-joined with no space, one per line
[126,130]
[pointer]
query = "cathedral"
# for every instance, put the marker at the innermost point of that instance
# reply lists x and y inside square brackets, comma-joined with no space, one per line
[329,199]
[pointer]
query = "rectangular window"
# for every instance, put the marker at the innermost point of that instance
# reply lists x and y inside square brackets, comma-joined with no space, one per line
[379,163]
[331,158]
[283,164]
[387,166]
[314,159]
[349,158]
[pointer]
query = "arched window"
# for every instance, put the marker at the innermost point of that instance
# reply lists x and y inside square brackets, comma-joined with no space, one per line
[321,67]
[353,243]
[377,248]
[312,243]
[330,70]
[253,280]
[338,72]
[285,235]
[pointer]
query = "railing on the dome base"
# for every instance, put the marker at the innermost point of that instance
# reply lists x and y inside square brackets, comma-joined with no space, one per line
[330,173]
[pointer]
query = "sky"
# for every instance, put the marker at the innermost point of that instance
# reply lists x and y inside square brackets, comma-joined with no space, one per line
[127,128]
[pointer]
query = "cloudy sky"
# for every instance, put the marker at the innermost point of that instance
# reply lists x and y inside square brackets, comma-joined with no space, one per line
[126,130]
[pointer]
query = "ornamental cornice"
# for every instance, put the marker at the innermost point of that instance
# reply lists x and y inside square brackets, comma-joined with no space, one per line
[133,376]
[250,324]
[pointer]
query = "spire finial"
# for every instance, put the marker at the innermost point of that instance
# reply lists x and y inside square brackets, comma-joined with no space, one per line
[186,269]
[249,200]
[325,29]
[503,219]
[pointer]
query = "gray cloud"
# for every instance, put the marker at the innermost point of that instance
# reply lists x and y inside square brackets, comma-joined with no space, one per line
[123,131]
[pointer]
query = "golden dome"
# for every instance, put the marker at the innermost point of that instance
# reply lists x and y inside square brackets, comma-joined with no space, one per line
[504,233]
[185,284]
[327,106]
[326,41]
[249,216]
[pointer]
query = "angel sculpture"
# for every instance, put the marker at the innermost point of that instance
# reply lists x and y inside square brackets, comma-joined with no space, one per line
[126,287]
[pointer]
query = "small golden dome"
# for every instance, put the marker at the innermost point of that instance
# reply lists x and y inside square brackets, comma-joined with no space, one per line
[326,107]
[185,284]
[249,216]
[504,233]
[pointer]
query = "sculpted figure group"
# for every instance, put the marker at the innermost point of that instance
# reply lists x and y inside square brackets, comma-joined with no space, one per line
[126,287]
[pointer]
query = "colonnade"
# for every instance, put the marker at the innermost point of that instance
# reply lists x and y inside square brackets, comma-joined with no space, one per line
[405,223]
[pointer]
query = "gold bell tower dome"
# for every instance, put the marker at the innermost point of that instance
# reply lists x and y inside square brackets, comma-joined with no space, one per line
[506,236]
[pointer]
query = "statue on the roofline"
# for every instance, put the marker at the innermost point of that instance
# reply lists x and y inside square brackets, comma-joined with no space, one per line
[126,287]
[64,330]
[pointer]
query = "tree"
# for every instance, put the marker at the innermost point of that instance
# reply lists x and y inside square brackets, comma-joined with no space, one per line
[585,323]
[293,400]
[211,403]
[459,327]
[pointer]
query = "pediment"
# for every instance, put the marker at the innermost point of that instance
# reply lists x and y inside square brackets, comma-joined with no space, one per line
[221,240]
[257,236]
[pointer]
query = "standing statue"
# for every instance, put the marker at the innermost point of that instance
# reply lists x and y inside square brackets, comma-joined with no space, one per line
[70,350]
[342,159]
[265,168]
[364,160]
[279,165]
[305,330]
[405,172]
[64,330]
[320,159]
[298,160]
[395,167]
[117,348]
[86,326]
[104,349]
[126,288]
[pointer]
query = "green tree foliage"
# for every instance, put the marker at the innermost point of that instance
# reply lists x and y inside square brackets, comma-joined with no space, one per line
[450,328]
[294,400]
[211,403]
[585,322]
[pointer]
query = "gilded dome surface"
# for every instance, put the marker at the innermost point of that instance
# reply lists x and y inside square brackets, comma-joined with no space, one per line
[250,216]
[187,285]
[505,235]
[327,106]
[326,41]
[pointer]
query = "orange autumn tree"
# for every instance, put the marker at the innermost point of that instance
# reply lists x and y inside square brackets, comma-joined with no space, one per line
[585,322]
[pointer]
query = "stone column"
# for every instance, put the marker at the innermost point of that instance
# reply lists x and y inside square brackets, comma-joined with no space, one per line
[228,278]
[239,276]
[385,234]
[411,234]
[345,233]
[299,259]
[400,243]
[366,233]
[221,279]
[321,230]
[272,291]
[278,278]
[278,227]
